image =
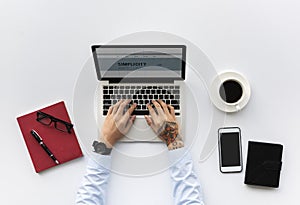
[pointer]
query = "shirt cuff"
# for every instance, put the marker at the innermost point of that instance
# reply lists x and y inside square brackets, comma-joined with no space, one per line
[99,161]
[179,156]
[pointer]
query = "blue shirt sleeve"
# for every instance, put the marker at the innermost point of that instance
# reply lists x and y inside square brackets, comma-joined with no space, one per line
[94,184]
[186,186]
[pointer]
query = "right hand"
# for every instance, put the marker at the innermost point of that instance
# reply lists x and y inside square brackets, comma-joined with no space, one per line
[164,124]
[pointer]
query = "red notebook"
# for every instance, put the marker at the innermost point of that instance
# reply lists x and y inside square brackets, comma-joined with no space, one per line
[63,145]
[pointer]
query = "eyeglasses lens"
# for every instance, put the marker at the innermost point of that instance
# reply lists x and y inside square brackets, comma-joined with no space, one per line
[61,126]
[44,120]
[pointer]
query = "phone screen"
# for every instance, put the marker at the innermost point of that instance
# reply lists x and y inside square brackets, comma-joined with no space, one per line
[230,149]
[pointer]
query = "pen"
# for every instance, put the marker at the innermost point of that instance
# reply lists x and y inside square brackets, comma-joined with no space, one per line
[40,141]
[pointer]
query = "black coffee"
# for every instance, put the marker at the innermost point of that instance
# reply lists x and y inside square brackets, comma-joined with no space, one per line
[231,91]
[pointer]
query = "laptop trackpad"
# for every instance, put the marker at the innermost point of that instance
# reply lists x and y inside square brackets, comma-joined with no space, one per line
[141,131]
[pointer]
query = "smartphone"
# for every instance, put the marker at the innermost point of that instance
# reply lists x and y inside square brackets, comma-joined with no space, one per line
[230,149]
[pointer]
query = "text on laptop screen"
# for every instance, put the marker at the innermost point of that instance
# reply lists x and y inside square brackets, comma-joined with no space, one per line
[140,62]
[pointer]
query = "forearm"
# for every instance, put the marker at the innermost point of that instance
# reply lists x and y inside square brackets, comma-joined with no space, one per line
[186,186]
[94,184]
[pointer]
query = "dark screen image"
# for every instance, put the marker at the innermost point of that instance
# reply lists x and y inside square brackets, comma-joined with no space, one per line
[231,91]
[230,149]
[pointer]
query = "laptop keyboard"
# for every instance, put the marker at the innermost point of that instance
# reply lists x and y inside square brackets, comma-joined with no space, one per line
[141,95]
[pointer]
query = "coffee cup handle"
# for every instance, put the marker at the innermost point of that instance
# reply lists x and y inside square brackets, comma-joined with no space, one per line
[238,108]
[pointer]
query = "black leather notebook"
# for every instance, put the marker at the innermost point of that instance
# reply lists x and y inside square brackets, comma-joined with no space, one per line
[263,164]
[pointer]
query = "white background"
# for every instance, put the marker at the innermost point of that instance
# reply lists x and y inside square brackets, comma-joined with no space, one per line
[44,44]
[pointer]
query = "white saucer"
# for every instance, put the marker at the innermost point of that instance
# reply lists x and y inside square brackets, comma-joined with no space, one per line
[219,102]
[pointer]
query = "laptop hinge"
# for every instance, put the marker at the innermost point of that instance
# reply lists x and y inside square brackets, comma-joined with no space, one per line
[141,80]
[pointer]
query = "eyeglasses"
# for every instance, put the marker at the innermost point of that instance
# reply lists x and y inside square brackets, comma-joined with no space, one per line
[46,119]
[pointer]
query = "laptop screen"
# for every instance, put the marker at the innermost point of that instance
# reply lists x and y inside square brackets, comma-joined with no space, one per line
[139,61]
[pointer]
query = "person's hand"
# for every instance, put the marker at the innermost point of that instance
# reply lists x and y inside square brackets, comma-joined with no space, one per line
[163,122]
[117,123]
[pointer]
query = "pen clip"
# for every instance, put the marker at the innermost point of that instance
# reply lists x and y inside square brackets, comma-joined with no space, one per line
[36,135]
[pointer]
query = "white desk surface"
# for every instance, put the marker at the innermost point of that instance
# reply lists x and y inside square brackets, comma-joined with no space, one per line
[44,45]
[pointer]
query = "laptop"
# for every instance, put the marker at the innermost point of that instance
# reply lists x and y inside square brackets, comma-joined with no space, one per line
[141,73]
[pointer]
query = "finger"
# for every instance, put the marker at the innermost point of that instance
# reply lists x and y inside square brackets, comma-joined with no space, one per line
[132,118]
[131,109]
[130,123]
[110,110]
[172,111]
[158,107]
[149,121]
[151,110]
[122,107]
[116,107]
[164,106]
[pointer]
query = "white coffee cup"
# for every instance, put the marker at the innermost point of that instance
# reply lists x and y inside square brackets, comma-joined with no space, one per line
[230,91]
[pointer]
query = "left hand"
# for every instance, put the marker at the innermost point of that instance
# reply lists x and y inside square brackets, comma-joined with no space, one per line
[117,124]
